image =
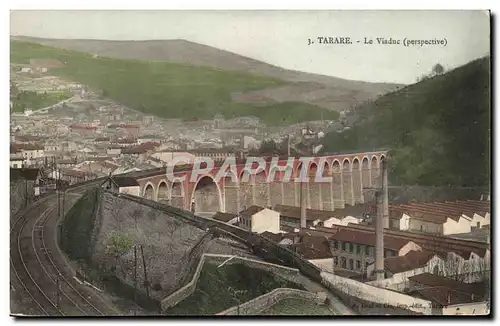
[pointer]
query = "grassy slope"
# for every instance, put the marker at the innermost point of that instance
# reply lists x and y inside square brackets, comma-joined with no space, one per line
[212,294]
[298,307]
[437,129]
[170,90]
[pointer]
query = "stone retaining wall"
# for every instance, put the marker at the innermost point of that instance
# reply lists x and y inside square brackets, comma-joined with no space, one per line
[371,300]
[289,274]
[291,259]
[259,304]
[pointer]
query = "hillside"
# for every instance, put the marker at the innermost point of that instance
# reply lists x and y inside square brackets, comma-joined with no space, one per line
[324,91]
[438,129]
[171,90]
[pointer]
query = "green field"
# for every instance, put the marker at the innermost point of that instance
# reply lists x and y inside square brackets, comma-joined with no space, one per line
[220,288]
[170,90]
[298,307]
[32,100]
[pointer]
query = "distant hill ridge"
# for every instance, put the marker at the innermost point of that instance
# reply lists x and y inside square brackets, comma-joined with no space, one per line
[324,91]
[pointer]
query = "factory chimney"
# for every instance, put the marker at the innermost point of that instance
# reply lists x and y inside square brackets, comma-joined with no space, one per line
[303,204]
[382,220]
[385,192]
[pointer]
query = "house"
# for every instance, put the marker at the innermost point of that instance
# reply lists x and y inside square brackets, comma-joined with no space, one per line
[16,161]
[259,219]
[129,129]
[450,297]
[355,250]
[155,162]
[140,152]
[83,129]
[71,176]
[169,157]
[149,139]
[290,216]
[124,142]
[398,269]
[122,185]
[24,187]
[30,151]
[226,217]
[440,218]
[316,250]
[213,153]
[467,259]
[114,150]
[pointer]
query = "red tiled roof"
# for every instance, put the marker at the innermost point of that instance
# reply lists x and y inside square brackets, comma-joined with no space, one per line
[412,260]
[311,214]
[434,243]
[140,149]
[251,210]
[366,238]
[83,127]
[442,296]
[431,280]
[224,217]
[276,237]
[312,252]
[28,147]
[438,212]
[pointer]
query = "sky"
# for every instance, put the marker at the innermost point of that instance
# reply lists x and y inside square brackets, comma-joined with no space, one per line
[281,37]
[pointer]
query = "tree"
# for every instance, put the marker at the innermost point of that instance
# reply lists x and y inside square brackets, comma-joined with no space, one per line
[438,69]
[118,244]
[268,145]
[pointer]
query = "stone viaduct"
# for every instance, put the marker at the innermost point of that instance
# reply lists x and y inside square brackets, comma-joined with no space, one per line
[349,174]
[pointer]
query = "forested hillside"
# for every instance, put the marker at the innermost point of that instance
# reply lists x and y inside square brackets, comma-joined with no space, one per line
[438,130]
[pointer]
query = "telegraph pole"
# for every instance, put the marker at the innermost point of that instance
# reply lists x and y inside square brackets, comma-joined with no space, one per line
[146,282]
[135,272]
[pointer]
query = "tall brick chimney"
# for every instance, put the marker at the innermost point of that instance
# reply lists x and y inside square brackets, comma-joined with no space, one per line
[382,221]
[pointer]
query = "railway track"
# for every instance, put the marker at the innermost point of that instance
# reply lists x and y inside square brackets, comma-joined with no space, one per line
[34,266]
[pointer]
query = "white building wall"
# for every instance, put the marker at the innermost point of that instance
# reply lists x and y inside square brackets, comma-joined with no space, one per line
[482,220]
[453,227]
[409,247]
[171,157]
[425,226]
[133,190]
[325,264]
[475,308]
[266,220]
[17,164]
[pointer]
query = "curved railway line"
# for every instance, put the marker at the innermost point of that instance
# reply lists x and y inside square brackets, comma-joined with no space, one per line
[53,291]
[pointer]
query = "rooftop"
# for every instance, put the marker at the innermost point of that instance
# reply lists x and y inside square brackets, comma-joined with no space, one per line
[294,212]
[412,260]
[433,280]
[24,173]
[251,210]
[435,243]
[224,217]
[124,181]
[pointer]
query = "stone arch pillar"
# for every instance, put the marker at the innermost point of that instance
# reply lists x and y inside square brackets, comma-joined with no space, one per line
[347,182]
[337,185]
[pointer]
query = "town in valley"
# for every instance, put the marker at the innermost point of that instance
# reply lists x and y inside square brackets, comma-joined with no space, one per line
[344,197]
